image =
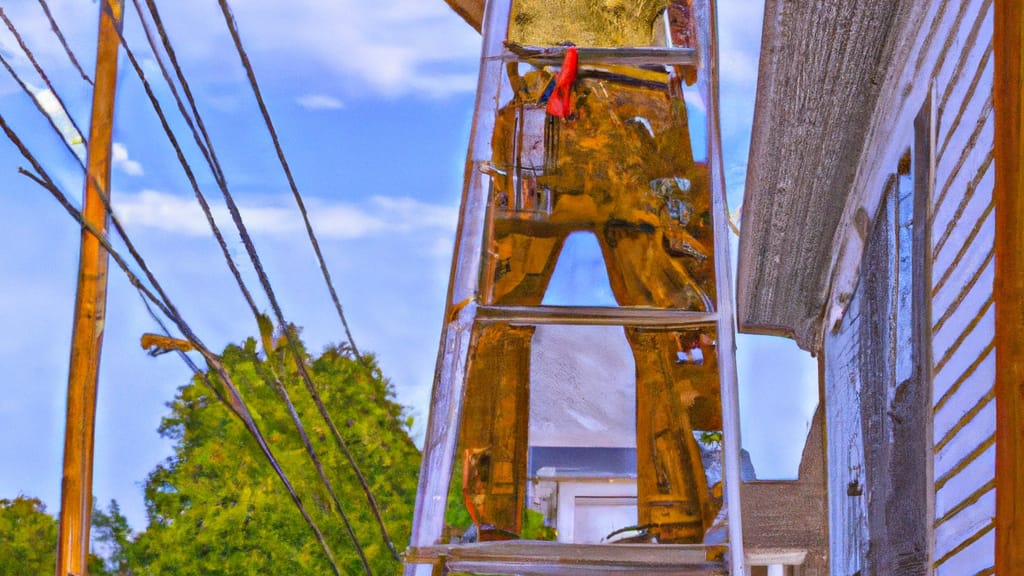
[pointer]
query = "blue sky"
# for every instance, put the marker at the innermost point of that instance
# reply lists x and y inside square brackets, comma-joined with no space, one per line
[373,102]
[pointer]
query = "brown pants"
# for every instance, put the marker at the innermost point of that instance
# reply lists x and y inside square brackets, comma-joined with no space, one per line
[672,398]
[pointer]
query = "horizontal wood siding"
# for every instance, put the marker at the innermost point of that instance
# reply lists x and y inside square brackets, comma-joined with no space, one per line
[962,237]
[947,66]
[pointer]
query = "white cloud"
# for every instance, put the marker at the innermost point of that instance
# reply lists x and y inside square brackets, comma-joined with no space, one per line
[393,47]
[119,156]
[384,47]
[279,217]
[52,107]
[159,211]
[48,102]
[319,102]
[738,66]
[409,213]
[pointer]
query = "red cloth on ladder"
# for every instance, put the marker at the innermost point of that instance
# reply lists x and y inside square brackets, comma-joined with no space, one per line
[560,102]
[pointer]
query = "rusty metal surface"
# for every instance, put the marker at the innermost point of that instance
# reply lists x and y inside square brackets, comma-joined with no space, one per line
[623,169]
[90,311]
[822,66]
[1009,285]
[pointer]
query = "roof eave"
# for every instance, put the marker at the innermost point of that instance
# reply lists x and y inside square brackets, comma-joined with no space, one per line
[822,66]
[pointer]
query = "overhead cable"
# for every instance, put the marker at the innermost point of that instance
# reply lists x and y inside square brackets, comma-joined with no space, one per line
[194,120]
[64,42]
[275,305]
[247,241]
[42,74]
[229,18]
[166,306]
[190,174]
[234,401]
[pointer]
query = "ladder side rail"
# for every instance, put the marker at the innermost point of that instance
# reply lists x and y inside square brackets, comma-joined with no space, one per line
[450,376]
[732,444]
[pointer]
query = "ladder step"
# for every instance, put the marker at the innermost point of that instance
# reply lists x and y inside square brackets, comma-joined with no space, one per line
[635,56]
[595,316]
[557,559]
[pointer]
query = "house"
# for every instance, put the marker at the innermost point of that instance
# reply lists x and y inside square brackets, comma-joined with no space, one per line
[594,149]
[882,232]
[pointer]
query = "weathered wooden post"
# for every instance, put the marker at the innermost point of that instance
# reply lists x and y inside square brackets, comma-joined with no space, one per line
[1009,284]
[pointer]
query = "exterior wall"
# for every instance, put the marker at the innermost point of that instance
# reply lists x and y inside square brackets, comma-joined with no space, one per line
[780,517]
[962,268]
[847,507]
[945,77]
[876,400]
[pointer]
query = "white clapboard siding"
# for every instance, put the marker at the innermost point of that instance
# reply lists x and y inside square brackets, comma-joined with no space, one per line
[962,310]
[950,62]
[956,405]
[950,497]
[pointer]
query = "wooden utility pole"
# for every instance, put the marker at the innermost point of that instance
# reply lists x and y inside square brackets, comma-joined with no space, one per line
[90,310]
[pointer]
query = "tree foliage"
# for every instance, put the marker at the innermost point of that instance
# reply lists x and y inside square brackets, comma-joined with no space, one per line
[111,531]
[28,540]
[217,508]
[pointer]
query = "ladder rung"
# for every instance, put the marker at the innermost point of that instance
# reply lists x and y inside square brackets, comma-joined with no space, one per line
[557,559]
[595,316]
[636,56]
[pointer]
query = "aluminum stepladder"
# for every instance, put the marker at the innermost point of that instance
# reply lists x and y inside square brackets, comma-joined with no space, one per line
[427,554]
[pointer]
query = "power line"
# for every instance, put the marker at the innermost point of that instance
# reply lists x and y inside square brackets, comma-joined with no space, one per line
[291,409]
[229,18]
[195,119]
[268,289]
[250,249]
[207,211]
[40,71]
[39,107]
[234,401]
[64,42]
[283,391]
[190,174]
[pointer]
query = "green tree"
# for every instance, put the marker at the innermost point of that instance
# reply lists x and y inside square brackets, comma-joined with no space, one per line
[111,530]
[216,507]
[28,540]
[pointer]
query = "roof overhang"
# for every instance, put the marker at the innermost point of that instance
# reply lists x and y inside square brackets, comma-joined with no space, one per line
[822,66]
[472,11]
